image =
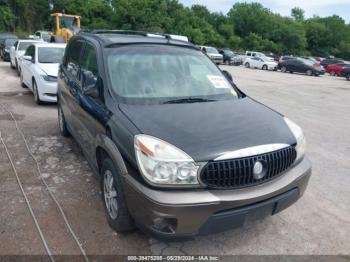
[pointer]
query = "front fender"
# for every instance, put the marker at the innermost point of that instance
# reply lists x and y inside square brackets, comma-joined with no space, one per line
[105,143]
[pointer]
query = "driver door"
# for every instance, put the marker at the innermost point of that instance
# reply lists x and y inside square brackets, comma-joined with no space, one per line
[27,66]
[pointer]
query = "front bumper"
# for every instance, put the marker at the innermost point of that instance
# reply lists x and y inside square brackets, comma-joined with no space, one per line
[47,91]
[185,214]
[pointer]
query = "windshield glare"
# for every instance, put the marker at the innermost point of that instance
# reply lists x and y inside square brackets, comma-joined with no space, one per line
[50,55]
[160,73]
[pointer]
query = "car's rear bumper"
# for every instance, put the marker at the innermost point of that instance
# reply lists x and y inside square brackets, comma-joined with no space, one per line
[185,214]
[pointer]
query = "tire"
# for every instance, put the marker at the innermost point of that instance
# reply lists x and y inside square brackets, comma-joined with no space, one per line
[348,77]
[227,62]
[12,66]
[17,69]
[332,73]
[283,69]
[309,72]
[247,65]
[62,124]
[115,206]
[22,83]
[264,67]
[36,93]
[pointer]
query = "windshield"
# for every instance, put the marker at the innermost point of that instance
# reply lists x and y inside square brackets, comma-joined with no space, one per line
[10,42]
[161,73]
[211,50]
[24,45]
[50,55]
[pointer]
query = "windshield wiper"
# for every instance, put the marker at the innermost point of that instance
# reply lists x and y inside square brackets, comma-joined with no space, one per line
[189,100]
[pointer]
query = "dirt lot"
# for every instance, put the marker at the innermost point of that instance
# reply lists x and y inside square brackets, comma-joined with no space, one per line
[318,224]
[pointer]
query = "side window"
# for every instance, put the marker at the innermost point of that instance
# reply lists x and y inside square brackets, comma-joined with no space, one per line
[73,56]
[37,34]
[249,54]
[89,68]
[30,51]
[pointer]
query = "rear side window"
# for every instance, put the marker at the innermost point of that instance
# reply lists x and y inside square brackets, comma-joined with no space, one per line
[73,56]
[88,64]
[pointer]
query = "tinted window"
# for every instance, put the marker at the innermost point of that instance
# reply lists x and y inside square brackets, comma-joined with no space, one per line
[50,55]
[73,56]
[30,51]
[89,66]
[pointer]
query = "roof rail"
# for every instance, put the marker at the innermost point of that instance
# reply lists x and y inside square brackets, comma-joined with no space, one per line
[141,33]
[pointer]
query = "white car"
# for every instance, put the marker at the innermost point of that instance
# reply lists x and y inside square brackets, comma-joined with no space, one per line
[213,53]
[250,54]
[39,70]
[261,63]
[17,50]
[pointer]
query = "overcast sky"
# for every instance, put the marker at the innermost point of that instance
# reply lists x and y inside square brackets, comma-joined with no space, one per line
[311,7]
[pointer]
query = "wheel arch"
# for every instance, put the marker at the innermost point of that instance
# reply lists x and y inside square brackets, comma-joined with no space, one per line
[105,147]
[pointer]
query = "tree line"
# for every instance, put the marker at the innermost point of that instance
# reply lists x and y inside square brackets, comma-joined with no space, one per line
[247,26]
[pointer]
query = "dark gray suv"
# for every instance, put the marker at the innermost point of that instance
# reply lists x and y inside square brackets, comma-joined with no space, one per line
[179,149]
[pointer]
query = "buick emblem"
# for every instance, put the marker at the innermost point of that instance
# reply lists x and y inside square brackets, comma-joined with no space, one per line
[258,170]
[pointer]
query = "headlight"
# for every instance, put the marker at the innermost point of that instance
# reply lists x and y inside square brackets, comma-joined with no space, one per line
[49,78]
[299,136]
[164,164]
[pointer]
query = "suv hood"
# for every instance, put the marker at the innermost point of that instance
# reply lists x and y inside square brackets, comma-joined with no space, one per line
[206,131]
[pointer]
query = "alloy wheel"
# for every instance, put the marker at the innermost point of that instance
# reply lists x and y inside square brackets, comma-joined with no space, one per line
[110,194]
[283,69]
[309,72]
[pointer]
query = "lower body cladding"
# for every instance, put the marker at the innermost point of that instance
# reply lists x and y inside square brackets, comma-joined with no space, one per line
[47,91]
[185,214]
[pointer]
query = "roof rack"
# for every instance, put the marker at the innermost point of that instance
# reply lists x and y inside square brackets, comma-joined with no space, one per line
[141,33]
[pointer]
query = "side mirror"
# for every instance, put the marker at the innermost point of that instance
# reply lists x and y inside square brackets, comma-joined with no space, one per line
[227,75]
[91,84]
[28,58]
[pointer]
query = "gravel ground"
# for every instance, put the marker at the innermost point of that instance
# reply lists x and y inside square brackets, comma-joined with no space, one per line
[317,224]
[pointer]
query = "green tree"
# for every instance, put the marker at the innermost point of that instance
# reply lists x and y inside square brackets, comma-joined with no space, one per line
[298,13]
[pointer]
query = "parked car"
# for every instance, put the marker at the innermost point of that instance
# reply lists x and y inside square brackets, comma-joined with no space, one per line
[43,35]
[17,50]
[179,149]
[260,63]
[39,69]
[285,58]
[326,62]
[3,38]
[230,58]
[213,53]
[335,69]
[301,65]
[5,47]
[249,54]
[346,73]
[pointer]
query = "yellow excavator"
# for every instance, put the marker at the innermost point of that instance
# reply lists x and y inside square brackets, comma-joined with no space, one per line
[63,27]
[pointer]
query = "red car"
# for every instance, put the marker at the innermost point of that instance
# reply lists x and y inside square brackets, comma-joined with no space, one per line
[335,69]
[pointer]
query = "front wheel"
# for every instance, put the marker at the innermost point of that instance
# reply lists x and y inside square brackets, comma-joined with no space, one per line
[36,93]
[115,206]
[309,72]
[264,67]
[247,65]
[283,69]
